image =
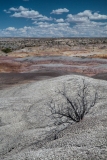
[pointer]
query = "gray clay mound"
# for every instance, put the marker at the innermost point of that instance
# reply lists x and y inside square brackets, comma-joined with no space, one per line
[101,76]
[28,133]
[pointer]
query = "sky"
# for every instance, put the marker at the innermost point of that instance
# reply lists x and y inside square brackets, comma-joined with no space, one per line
[53,18]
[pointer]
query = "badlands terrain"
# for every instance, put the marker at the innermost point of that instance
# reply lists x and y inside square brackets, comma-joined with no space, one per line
[31,71]
[44,58]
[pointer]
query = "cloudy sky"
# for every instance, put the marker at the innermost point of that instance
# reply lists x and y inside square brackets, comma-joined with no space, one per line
[53,18]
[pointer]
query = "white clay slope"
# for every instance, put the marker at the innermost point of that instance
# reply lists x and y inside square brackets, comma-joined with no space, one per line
[27,132]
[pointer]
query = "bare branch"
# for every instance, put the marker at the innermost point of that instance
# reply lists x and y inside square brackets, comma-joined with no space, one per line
[75,108]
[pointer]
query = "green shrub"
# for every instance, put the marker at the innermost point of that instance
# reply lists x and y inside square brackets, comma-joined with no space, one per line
[6,50]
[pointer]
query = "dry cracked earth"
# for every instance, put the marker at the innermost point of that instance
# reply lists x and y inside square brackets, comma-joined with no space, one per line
[29,76]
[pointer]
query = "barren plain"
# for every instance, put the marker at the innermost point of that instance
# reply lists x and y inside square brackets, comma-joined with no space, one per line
[31,70]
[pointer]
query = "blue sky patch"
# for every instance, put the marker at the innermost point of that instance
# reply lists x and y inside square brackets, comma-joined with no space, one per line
[53,18]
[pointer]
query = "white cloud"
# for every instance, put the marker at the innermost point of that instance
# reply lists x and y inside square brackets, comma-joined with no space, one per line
[11,29]
[22,12]
[21,8]
[86,13]
[97,16]
[63,24]
[27,14]
[60,11]
[78,25]
[76,19]
[44,29]
[92,16]
[85,16]
[59,20]
[41,24]
[6,11]
[45,18]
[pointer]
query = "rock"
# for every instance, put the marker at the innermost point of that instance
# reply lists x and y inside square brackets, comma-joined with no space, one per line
[27,132]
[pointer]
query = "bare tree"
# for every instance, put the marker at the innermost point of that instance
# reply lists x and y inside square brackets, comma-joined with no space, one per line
[74,108]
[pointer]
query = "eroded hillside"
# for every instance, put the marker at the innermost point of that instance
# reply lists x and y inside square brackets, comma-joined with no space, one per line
[27,131]
[85,56]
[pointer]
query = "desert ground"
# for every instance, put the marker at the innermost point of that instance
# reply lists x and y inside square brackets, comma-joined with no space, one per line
[49,57]
[31,71]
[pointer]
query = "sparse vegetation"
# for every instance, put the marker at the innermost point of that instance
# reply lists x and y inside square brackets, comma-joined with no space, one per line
[75,108]
[6,50]
[15,43]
